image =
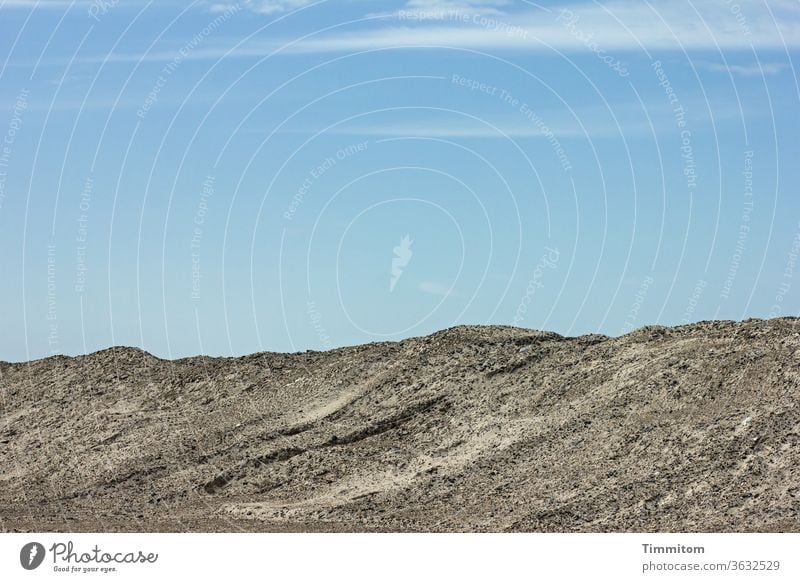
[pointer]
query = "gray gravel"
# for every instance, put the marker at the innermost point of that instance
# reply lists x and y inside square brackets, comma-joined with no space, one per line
[695,428]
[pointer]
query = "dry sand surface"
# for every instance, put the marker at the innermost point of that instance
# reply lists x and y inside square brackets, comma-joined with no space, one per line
[694,428]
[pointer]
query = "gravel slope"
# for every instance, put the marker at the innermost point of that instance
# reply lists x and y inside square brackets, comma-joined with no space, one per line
[695,428]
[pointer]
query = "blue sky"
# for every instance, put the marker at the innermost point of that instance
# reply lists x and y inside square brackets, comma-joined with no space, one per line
[225,178]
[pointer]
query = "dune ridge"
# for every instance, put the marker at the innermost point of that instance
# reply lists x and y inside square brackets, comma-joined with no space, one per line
[692,428]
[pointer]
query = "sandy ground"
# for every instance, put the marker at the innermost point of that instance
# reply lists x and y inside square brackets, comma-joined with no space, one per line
[695,428]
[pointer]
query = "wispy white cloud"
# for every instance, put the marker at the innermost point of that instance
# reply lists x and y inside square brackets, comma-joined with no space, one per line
[619,25]
[456,4]
[496,130]
[425,8]
[758,69]
[42,3]
[612,27]
[622,121]
[434,8]
[217,7]
[262,6]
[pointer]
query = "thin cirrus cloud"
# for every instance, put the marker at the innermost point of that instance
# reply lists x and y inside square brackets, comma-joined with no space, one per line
[490,130]
[613,27]
[625,121]
[262,6]
[758,69]
[43,3]
[619,25]
[431,8]
[428,6]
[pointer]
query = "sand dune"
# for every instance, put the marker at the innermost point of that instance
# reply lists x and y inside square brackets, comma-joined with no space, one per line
[695,428]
